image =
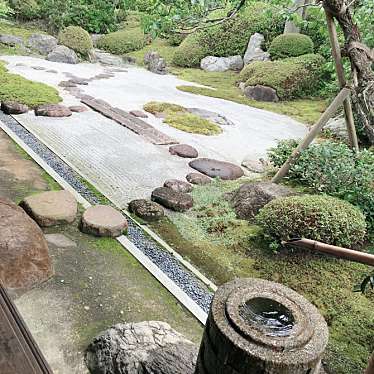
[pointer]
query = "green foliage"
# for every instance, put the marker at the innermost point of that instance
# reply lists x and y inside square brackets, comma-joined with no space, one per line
[231,37]
[333,168]
[161,107]
[315,217]
[77,39]
[16,88]
[123,41]
[5,10]
[292,77]
[290,45]
[25,10]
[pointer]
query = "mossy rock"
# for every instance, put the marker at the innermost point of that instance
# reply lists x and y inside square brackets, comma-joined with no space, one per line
[77,39]
[123,41]
[290,45]
[292,77]
[16,88]
[316,217]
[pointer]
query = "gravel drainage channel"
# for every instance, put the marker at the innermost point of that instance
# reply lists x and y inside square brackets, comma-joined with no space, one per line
[168,267]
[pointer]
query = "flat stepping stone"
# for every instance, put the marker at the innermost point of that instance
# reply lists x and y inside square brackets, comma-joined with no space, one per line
[198,179]
[12,107]
[178,186]
[53,110]
[138,113]
[146,210]
[52,71]
[60,241]
[78,108]
[79,81]
[215,168]
[183,150]
[67,84]
[38,68]
[51,208]
[178,201]
[103,221]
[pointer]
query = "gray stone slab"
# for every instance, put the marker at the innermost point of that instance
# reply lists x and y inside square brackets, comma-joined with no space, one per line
[60,240]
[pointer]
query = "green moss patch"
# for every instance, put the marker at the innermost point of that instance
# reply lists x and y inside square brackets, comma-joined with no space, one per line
[16,88]
[178,117]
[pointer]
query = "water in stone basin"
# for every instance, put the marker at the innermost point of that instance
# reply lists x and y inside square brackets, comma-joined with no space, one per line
[272,317]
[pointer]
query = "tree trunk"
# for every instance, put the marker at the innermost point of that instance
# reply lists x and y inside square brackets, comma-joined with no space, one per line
[361,60]
[370,368]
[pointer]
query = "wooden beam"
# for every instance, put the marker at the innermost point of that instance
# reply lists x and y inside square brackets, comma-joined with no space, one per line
[342,81]
[329,112]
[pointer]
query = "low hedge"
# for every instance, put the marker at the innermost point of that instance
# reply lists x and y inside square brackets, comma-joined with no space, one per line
[290,45]
[231,37]
[315,217]
[77,39]
[291,78]
[123,41]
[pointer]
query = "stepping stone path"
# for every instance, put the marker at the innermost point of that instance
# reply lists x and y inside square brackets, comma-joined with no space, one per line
[60,241]
[215,168]
[78,108]
[146,210]
[178,186]
[53,110]
[103,221]
[25,261]
[178,201]
[51,208]
[198,179]
[12,107]
[138,113]
[183,150]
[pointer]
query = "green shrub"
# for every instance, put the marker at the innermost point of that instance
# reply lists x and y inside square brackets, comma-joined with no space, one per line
[123,41]
[25,10]
[231,37]
[290,45]
[77,39]
[333,168]
[315,217]
[291,78]
[176,39]
[5,10]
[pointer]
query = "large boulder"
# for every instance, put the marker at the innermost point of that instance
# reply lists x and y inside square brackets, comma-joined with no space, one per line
[261,93]
[254,51]
[146,347]
[63,54]
[146,210]
[178,201]
[51,208]
[25,261]
[42,43]
[13,107]
[178,186]
[215,168]
[11,40]
[219,64]
[103,220]
[251,197]
[155,63]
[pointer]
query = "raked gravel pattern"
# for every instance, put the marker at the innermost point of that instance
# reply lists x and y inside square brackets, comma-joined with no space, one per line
[165,261]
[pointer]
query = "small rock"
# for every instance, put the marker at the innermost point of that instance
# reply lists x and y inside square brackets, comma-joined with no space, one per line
[86,308]
[129,60]
[155,63]
[95,38]
[261,93]
[215,168]
[60,241]
[178,186]
[338,127]
[138,113]
[42,43]
[254,166]
[178,201]
[11,40]
[63,54]
[107,58]
[103,220]
[78,108]
[51,208]
[183,150]
[146,210]
[12,107]
[198,179]
[220,64]
[254,51]
[53,110]
[217,118]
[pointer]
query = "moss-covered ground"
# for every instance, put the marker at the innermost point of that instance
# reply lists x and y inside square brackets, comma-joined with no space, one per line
[224,248]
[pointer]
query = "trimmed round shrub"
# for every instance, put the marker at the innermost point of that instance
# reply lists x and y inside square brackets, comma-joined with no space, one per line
[190,52]
[316,217]
[25,10]
[292,77]
[77,39]
[290,45]
[123,41]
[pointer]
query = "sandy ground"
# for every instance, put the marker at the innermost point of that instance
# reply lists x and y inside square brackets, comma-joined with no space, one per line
[122,164]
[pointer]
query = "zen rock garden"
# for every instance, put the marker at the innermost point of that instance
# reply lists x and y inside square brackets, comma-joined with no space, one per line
[186,187]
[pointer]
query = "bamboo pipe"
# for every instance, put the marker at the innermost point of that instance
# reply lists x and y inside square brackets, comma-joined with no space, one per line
[348,254]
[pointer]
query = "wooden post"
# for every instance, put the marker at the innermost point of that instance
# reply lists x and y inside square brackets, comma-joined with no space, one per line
[330,111]
[342,82]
